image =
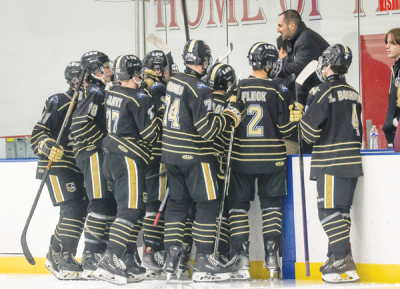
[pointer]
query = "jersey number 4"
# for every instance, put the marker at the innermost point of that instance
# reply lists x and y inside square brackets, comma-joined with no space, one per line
[354,120]
[172,112]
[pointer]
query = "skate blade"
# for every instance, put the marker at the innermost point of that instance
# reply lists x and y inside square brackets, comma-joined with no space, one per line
[87,275]
[240,275]
[103,275]
[347,277]
[209,277]
[169,276]
[69,275]
[155,275]
[51,269]
[135,278]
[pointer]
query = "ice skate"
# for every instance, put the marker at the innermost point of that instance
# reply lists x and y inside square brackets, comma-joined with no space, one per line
[341,271]
[327,263]
[208,269]
[184,264]
[239,265]
[271,258]
[70,268]
[89,264]
[153,261]
[111,269]
[53,259]
[172,261]
[136,272]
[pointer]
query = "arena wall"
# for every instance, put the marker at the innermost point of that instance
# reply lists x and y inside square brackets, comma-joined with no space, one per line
[375,233]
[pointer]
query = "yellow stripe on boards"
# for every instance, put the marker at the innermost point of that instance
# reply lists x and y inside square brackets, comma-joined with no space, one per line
[133,183]
[94,165]
[56,188]
[208,181]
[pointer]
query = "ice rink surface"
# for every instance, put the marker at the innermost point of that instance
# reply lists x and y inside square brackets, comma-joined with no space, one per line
[13,281]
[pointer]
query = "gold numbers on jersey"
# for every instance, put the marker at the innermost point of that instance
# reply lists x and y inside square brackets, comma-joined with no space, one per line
[172,112]
[112,120]
[252,129]
[93,109]
[354,120]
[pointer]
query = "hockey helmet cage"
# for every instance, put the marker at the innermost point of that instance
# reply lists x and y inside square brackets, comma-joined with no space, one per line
[336,56]
[221,76]
[72,72]
[126,67]
[93,61]
[197,52]
[156,61]
[262,55]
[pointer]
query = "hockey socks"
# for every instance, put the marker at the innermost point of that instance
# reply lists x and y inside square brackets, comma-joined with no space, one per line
[239,225]
[120,233]
[70,233]
[223,246]
[55,240]
[188,236]
[153,236]
[272,224]
[131,245]
[337,231]
[94,231]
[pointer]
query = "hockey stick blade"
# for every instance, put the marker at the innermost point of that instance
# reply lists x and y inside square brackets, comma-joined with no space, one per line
[307,71]
[288,80]
[157,41]
[225,54]
[24,243]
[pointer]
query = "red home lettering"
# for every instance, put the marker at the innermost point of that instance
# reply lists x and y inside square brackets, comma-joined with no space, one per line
[220,10]
[200,12]
[359,9]
[259,18]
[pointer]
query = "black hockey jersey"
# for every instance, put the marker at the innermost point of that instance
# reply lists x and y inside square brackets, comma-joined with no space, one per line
[49,126]
[88,126]
[157,92]
[258,145]
[132,123]
[221,142]
[190,125]
[333,122]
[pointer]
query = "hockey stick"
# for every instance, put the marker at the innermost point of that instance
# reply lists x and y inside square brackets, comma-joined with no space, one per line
[156,175]
[226,180]
[24,244]
[185,20]
[158,42]
[161,209]
[225,54]
[288,80]
[307,71]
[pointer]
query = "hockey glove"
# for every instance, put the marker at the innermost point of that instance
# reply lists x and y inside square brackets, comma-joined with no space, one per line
[234,111]
[51,150]
[395,122]
[296,111]
[149,77]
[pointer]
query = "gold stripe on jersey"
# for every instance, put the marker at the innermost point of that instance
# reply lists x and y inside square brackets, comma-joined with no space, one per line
[61,108]
[132,147]
[338,164]
[184,139]
[257,160]
[60,167]
[191,153]
[208,181]
[133,183]
[336,144]
[127,96]
[95,169]
[56,189]
[42,126]
[329,191]
[340,85]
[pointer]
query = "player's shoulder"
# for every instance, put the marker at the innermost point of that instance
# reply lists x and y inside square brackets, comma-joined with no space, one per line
[256,81]
[95,89]
[157,88]
[58,99]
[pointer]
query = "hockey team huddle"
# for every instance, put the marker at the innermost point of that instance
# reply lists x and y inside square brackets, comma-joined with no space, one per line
[143,135]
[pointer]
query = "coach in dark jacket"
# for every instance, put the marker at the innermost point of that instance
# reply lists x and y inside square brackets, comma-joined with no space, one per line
[303,46]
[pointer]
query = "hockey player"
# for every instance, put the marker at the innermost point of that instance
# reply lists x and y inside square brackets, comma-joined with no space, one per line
[88,129]
[132,124]
[189,129]
[333,122]
[155,66]
[259,157]
[65,180]
[392,40]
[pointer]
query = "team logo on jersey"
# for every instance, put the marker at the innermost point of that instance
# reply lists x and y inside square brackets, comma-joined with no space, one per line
[142,94]
[122,148]
[279,164]
[314,90]
[53,99]
[90,148]
[96,90]
[187,157]
[283,88]
[201,85]
[397,82]
[41,171]
[156,84]
[145,197]
[71,187]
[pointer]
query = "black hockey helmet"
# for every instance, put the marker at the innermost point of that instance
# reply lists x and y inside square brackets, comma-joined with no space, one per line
[72,72]
[126,67]
[93,61]
[262,55]
[155,60]
[221,76]
[338,57]
[197,52]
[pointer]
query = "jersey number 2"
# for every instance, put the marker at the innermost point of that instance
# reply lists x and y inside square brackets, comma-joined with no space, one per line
[252,129]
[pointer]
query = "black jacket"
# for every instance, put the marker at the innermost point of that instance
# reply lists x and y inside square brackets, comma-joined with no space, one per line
[305,45]
[393,110]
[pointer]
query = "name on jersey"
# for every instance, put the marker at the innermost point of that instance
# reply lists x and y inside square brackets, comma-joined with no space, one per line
[254,96]
[114,101]
[175,88]
[348,95]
